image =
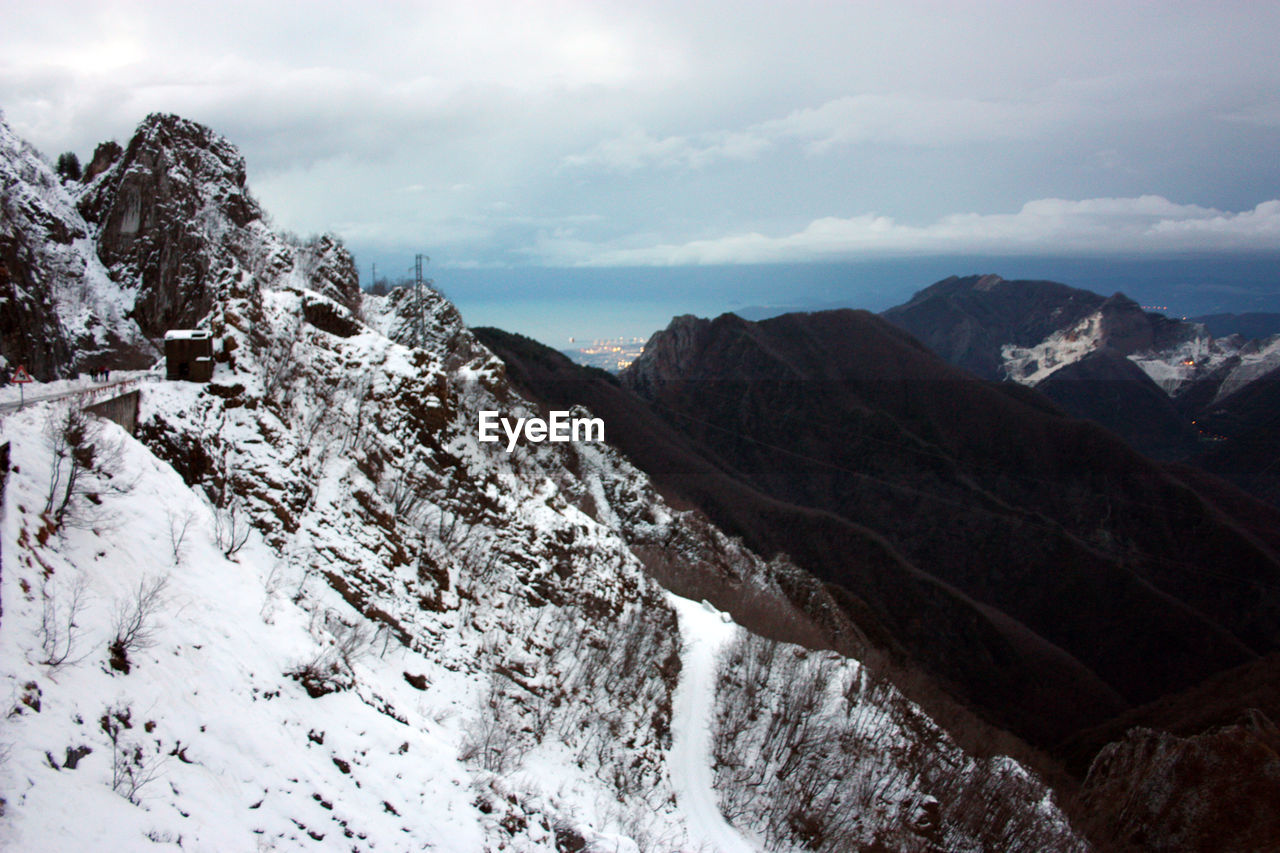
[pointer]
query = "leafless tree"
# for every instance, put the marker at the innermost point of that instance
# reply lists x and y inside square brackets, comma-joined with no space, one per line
[230,528]
[58,628]
[84,465]
[133,625]
[179,524]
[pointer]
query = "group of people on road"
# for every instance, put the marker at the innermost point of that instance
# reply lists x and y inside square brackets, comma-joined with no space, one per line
[100,376]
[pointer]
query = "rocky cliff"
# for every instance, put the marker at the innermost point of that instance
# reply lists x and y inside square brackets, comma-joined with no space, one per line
[60,310]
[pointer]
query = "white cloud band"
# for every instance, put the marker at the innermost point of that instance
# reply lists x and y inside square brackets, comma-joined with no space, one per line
[1148,223]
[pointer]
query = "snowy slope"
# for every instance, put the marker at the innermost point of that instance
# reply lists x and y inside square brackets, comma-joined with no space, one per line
[234,752]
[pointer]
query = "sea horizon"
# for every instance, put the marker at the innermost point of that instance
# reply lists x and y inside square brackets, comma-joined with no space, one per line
[563,307]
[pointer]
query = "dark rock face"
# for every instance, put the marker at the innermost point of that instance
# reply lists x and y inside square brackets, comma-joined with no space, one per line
[967,320]
[104,157]
[164,211]
[1219,790]
[666,351]
[30,333]
[331,271]
[61,314]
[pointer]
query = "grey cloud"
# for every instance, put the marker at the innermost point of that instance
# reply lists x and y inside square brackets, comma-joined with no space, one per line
[678,130]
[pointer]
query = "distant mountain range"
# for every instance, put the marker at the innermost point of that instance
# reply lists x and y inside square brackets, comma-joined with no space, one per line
[1202,391]
[1022,556]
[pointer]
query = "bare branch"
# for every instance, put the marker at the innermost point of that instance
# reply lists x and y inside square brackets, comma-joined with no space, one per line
[134,623]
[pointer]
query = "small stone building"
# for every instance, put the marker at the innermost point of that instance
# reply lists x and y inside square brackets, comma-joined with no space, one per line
[188,354]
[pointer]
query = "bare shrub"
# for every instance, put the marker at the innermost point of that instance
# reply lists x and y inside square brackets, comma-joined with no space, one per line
[133,625]
[84,465]
[179,523]
[132,766]
[492,736]
[276,353]
[352,642]
[331,668]
[58,629]
[230,528]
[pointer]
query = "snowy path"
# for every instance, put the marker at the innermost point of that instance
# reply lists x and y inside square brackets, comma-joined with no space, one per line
[703,632]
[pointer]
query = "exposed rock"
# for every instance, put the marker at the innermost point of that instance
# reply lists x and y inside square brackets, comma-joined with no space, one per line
[330,270]
[1128,329]
[968,320]
[330,317]
[104,157]
[30,332]
[61,311]
[1219,790]
[666,352]
[174,216]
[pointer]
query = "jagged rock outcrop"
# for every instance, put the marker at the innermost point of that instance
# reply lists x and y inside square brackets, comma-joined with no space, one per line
[666,352]
[1219,790]
[157,233]
[174,220]
[61,312]
[104,157]
[329,269]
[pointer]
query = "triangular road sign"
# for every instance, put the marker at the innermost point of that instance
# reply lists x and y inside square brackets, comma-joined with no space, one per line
[21,376]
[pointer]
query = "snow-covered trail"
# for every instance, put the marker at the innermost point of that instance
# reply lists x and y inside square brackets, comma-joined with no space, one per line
[703,631]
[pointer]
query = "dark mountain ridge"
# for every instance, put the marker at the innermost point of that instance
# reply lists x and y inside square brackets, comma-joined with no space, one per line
[968,321]
[956,518]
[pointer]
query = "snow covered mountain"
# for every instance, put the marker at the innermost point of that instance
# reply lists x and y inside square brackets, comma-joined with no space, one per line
[1194,396]
[1028,330]
[305,608]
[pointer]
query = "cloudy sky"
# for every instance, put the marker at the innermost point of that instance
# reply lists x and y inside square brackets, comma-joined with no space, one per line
[641,134]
